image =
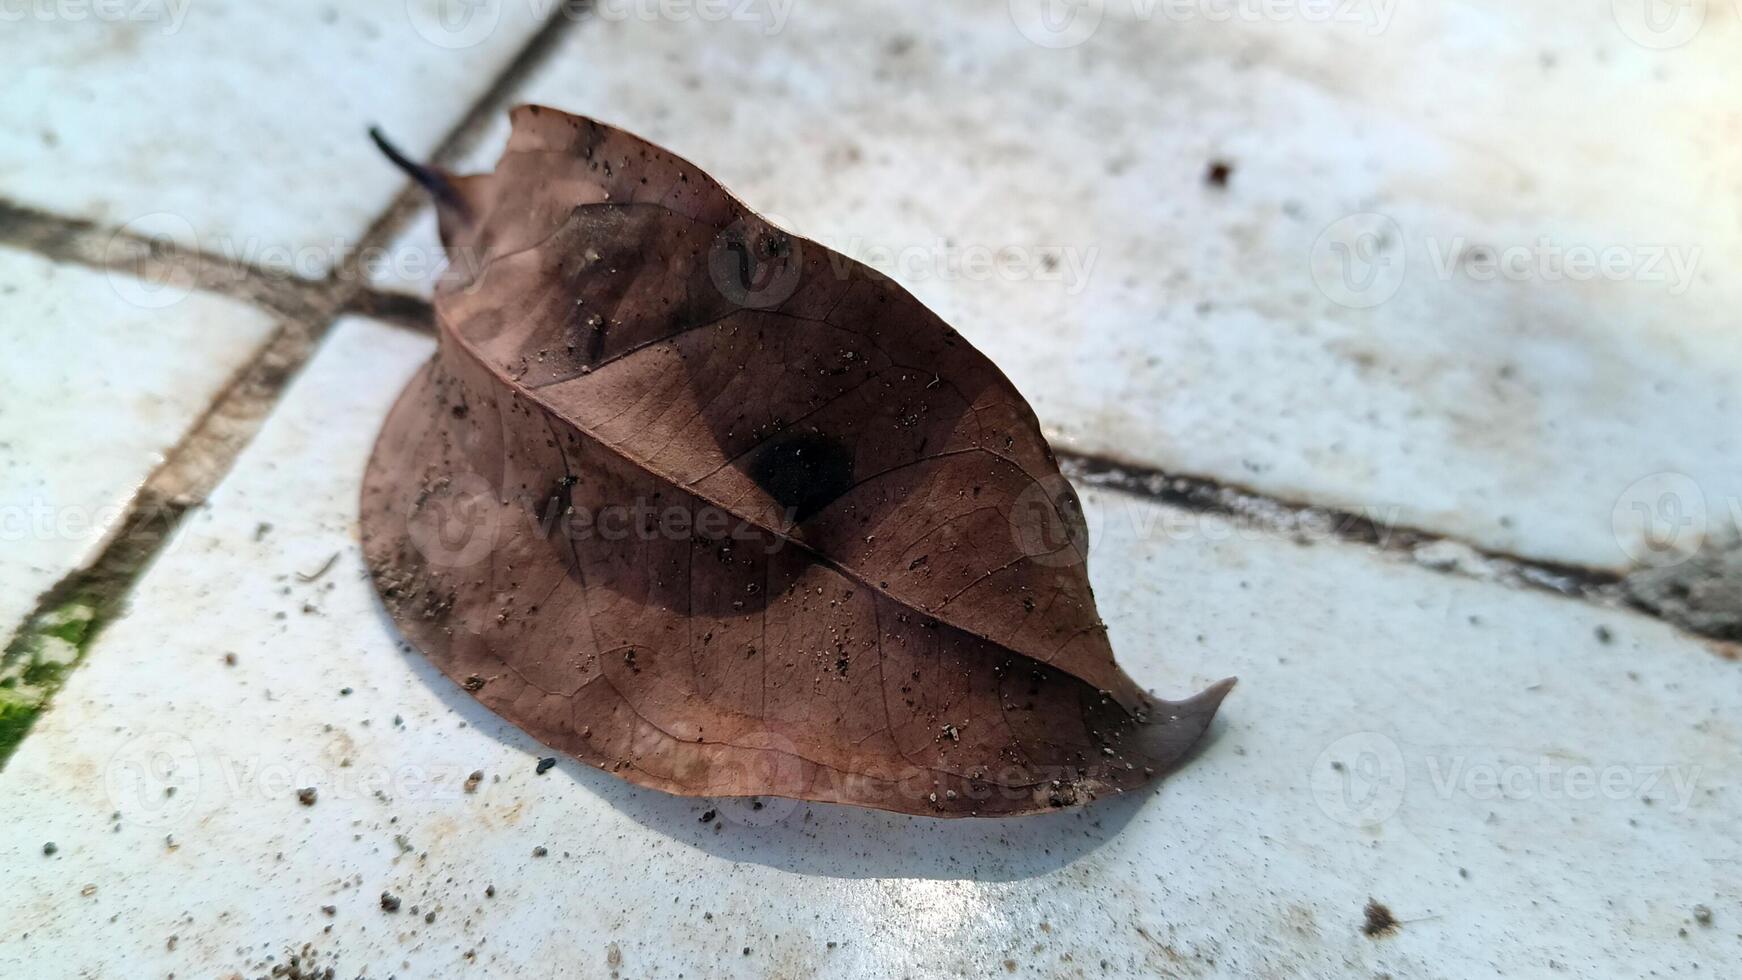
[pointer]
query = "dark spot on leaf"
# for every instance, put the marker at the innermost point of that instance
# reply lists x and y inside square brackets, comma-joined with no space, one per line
[804,472]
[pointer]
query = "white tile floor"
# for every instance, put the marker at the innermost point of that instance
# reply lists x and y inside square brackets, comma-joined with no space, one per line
[98,387]
[1536,786]
[236,127]
[1522,811]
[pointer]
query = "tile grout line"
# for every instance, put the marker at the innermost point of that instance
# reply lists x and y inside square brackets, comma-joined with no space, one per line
[1306,523]
[306,310]
[79,241]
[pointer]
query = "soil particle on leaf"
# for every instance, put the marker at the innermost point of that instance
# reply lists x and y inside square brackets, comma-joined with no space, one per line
[473,780]
[50,848]
[540,851]
[545,765]
[489,891]
[329,910]
[306,796]
[229,660]
[1379,920]
[1217,173]
[389,902]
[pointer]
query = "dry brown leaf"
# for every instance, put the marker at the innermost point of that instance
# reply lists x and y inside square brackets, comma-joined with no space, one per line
[725,513]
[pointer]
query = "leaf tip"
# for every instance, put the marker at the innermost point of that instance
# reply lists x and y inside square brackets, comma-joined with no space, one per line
[1210,698]
[430,179]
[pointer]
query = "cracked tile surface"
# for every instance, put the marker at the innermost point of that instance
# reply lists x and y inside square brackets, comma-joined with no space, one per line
[1522,781]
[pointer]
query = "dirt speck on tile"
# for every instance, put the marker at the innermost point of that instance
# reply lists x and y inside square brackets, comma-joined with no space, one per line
[1379,920]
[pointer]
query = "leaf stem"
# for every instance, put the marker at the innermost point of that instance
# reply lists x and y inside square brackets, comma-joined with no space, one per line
[429,178]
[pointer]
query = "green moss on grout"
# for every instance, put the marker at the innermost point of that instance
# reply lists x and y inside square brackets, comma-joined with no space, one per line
[36,663]
[73,630]
[15,722]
